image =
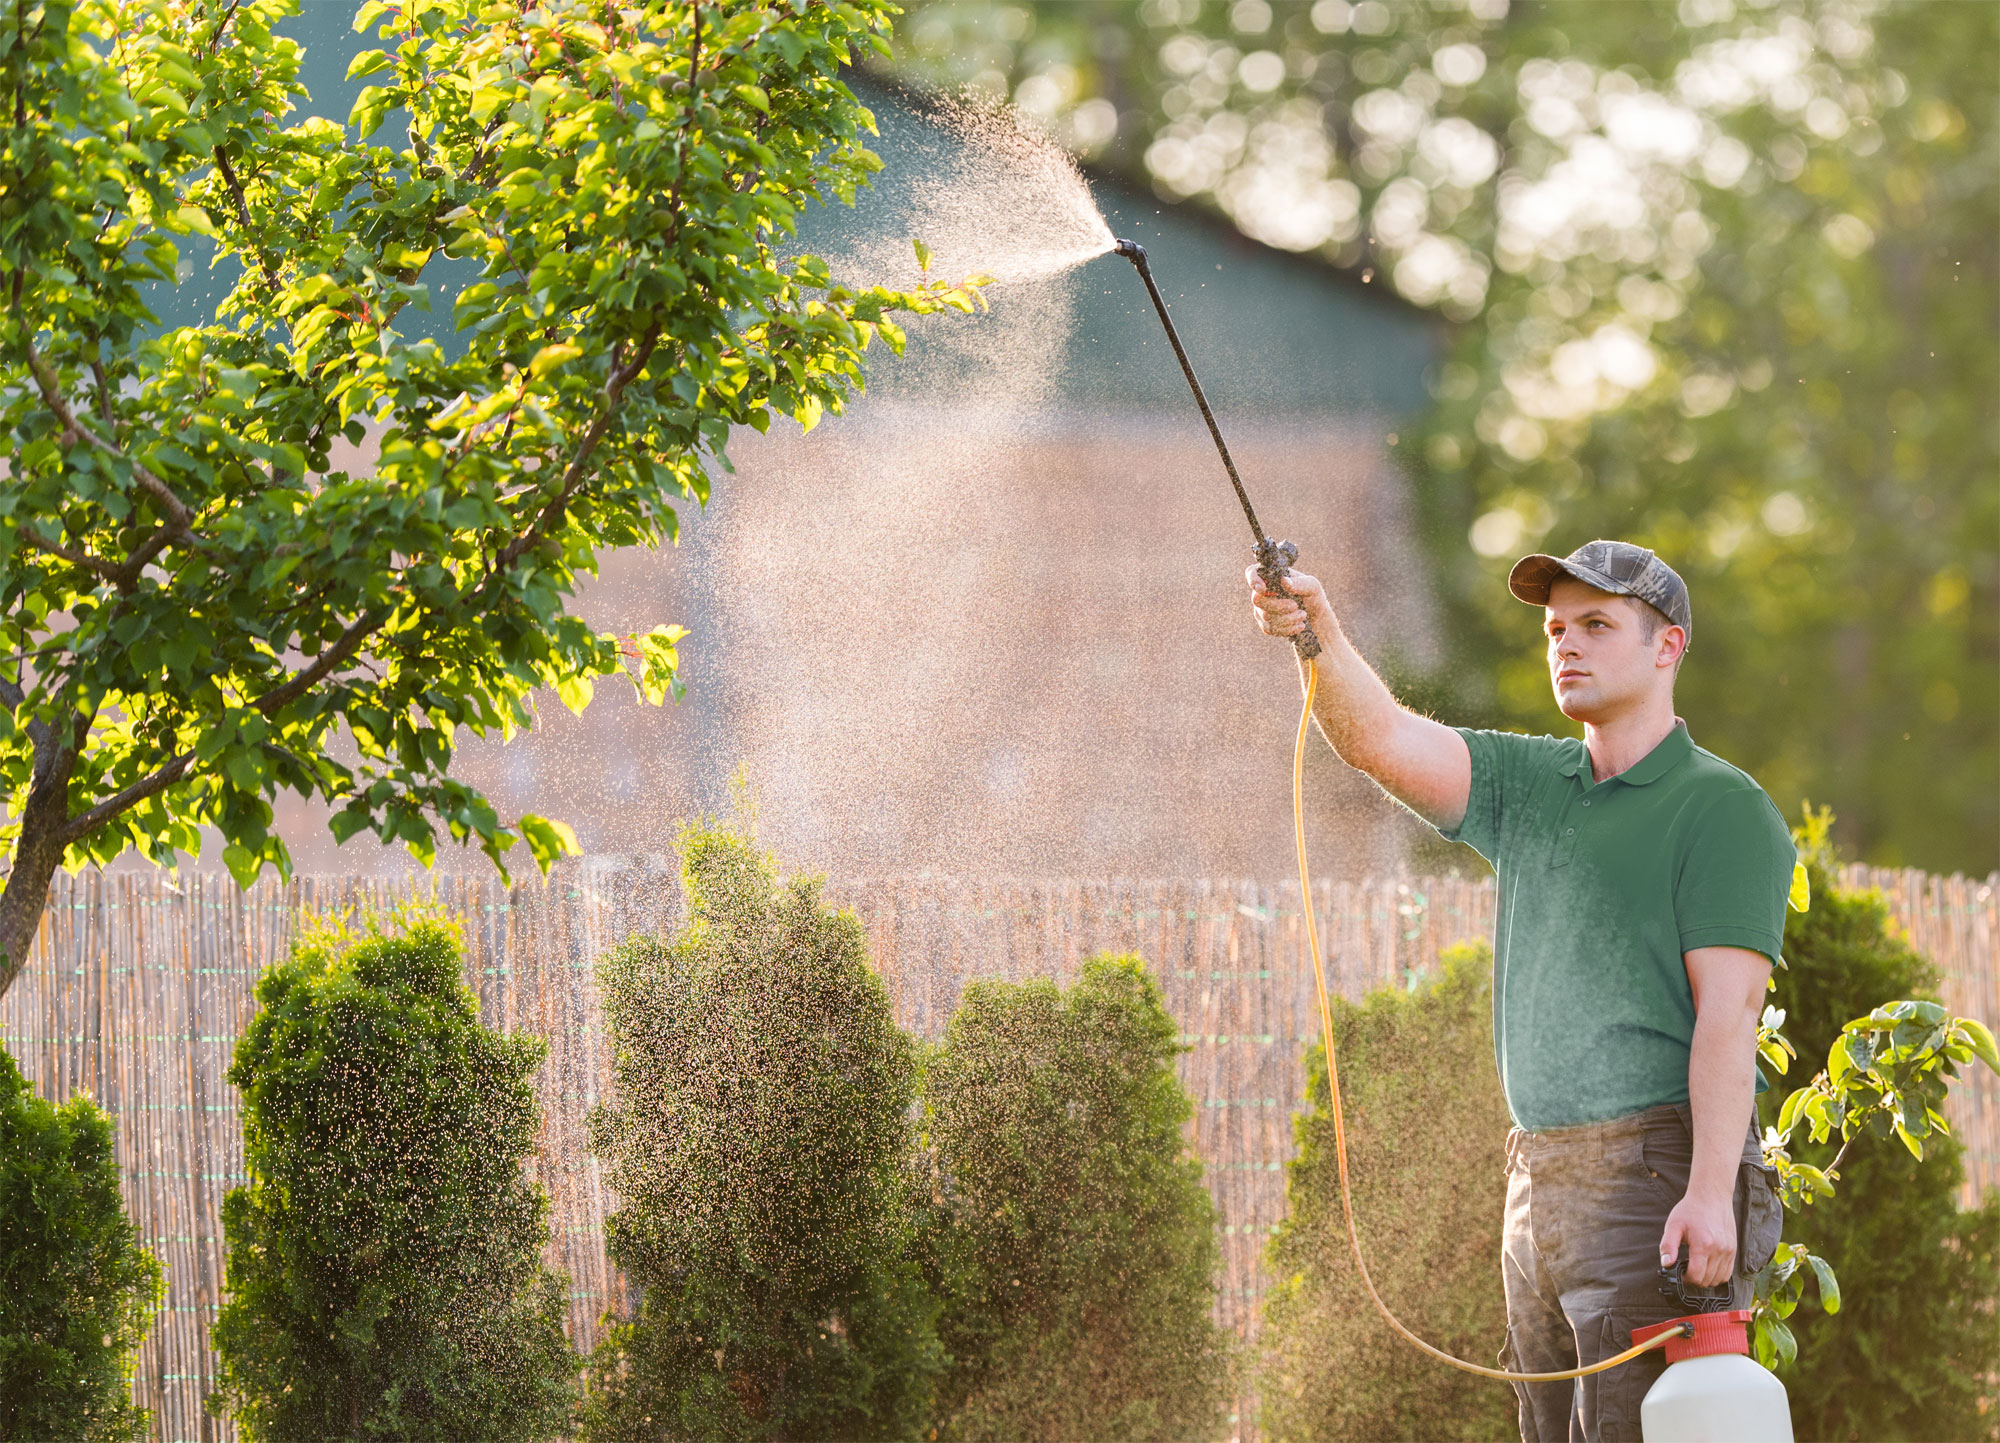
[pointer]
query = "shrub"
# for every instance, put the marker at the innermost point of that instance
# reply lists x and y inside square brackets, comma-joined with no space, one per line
[1426,1131]
[384,1274]
[77,1290]
[757,1139]
[1069,1233]
[1915,1348]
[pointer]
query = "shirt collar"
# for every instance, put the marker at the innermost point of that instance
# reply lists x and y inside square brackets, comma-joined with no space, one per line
[1674,748]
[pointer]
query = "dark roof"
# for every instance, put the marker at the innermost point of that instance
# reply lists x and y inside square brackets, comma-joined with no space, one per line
[1268,330]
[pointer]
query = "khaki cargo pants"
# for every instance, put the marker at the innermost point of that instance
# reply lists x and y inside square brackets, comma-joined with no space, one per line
[1581,1253]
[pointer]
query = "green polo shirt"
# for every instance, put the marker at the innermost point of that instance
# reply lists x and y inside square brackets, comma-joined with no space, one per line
[1602,886]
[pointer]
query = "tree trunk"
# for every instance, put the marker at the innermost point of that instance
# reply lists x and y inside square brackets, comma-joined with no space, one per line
[36,856]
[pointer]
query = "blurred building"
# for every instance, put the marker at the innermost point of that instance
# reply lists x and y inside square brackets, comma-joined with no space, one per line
[993,620]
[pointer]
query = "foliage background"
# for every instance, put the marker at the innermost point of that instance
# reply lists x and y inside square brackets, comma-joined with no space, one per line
[1427,1131]
[1723,275]
[77,1288]
[758,1139]
[384,1269]
[1069,1233]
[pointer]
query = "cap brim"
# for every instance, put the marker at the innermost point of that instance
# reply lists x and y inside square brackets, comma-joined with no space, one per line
[1532,577]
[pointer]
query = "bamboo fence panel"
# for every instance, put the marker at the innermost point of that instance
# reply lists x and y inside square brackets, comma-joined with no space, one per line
[1955,922]
[141,984]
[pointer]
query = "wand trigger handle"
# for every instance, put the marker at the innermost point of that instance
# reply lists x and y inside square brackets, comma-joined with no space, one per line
[1274,559]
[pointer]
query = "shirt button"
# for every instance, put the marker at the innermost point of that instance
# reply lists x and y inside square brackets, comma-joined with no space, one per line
[1569,831]
[1586,801]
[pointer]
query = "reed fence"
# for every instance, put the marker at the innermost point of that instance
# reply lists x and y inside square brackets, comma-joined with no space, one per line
[141,984]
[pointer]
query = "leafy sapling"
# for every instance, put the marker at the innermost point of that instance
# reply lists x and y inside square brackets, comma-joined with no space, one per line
[206,598]
[1886,1075]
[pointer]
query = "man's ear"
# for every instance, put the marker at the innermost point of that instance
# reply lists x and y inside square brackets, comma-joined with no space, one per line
[1670,646]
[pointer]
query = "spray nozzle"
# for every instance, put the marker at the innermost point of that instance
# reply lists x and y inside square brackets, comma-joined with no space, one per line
[1132,251]
[1274,559]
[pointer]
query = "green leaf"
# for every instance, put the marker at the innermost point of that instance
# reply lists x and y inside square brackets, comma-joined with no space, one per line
[547,839]
[1829,1285]
[659,663]
[368,62]
[923,255]
[1788,1115]
[575,692]
[243,864]
[551,356]
[1980,1038]
[1800,897]
[754,95]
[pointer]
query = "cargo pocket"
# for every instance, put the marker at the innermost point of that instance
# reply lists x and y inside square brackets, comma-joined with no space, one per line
[1613,1399]
[1763,1218]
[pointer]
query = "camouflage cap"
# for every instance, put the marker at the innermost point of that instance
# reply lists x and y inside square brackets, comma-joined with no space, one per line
[1618,567]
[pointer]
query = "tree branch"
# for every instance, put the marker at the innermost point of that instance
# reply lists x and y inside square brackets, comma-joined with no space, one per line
[179,517]
[83,823]
[228,174]
[344,647]
[694,108]
[215,39]
[614,390]
[95,564]
[176,767]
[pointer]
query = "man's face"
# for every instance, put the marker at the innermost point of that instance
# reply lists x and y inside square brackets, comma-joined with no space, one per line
[1601,662]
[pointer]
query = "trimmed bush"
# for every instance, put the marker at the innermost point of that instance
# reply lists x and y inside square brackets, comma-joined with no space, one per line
[757,1140]
[77,1290]
[385,1276]
[1426,1132]
[1915,1349]
[1069,1233]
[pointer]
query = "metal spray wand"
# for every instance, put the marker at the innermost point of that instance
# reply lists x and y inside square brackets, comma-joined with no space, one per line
[1274,558]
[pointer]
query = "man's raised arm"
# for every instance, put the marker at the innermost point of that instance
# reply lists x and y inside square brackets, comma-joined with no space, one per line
[1423,764]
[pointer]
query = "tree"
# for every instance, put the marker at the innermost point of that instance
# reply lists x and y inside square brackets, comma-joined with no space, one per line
[757,1139]
[77,1287]
[384,1272]
[1914,1348]
[202,606]
[1723,276]
[1070,1234]
[1427,1131]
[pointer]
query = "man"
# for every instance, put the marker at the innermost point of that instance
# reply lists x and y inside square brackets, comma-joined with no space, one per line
[1642,885]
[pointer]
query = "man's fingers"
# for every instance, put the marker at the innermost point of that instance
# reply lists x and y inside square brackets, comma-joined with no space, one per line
[1670,1240]
[1709,1264]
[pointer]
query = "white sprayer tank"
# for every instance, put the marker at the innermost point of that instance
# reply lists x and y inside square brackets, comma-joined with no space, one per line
[1713,1391]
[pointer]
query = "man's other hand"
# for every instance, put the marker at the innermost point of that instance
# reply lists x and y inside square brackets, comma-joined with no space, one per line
[1287,616]
[1708,1228]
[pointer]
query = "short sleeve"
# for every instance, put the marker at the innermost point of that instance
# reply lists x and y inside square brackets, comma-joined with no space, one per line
[1735,875]
[1505,768]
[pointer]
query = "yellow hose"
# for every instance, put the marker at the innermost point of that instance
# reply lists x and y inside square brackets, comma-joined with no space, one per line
[1340,1126]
